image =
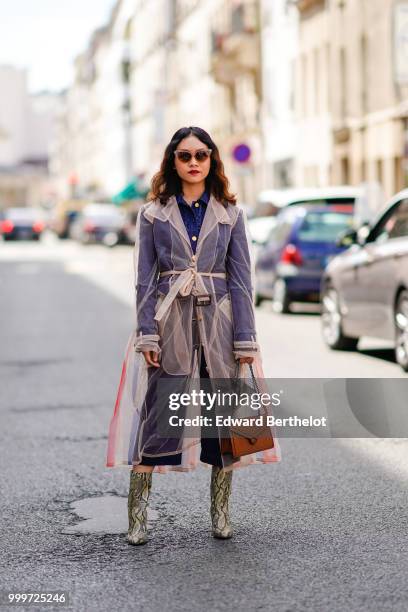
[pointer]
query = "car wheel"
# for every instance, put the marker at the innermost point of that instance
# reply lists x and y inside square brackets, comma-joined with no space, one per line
[110,239]
[401,330]
[281,299]
[331,323]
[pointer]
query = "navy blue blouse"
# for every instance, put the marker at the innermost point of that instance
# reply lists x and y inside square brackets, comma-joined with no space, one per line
[193,215]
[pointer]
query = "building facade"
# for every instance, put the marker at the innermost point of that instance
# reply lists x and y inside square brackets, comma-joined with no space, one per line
[295,93]
[198,63]
[26,130]
[348,100]
[156,66]
[92,153]
[279,51]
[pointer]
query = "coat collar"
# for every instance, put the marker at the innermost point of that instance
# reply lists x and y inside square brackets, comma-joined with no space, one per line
[169,211]
[215,213]
[204,198]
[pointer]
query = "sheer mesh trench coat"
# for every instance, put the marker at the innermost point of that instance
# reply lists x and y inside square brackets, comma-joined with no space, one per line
[166,269]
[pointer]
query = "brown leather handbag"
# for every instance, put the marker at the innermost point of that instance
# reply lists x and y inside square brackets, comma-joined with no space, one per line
[246,439]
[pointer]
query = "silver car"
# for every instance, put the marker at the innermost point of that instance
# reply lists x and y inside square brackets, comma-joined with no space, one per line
[364,291]
[102,223]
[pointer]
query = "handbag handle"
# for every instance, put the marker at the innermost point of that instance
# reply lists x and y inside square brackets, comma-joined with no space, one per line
[254,381]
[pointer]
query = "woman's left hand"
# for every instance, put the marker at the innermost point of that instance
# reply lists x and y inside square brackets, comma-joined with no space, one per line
[246,360]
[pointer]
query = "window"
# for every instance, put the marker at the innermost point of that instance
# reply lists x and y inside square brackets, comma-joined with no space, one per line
[328,71]
[398,227]
[393,224]
[324,226]
[380,170]
[345,170]
[292,85]
[282,229]
[364,74]
[398,174]
[283,173]
[363,170]
[343,83]
[332,201]
[316,78]
[304,81]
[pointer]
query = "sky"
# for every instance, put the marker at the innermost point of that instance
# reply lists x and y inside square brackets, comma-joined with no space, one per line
[45,36]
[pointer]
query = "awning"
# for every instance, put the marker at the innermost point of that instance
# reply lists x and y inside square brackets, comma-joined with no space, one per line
[133,191]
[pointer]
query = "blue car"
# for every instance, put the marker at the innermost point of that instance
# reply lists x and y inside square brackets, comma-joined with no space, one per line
[289,266]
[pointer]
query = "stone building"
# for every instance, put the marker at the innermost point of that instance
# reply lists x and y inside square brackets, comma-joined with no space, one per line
[352,112]
[92,155]
[279,51]
[26,129]
[198,63]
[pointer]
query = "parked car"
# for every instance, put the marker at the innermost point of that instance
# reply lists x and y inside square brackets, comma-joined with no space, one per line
[103,223]
[271,201]
[364,290]
[289,266]
[22,223]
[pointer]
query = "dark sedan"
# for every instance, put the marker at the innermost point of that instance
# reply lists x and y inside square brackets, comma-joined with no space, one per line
[289,266]
[21,223]
[364,291]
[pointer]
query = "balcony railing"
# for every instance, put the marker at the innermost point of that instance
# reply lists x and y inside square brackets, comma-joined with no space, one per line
[243,20]
[235,49]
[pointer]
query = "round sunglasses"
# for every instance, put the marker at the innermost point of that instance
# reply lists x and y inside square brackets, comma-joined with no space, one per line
[200,155]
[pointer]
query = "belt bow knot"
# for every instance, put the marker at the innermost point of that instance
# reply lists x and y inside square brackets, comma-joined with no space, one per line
[188,282]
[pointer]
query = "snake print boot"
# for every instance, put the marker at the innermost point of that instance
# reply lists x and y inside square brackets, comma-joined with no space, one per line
[220,493]
[139,490]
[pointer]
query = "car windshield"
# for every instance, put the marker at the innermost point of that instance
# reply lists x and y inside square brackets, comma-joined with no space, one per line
[324,226]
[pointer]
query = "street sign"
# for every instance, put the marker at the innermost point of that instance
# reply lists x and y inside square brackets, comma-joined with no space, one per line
[241,153]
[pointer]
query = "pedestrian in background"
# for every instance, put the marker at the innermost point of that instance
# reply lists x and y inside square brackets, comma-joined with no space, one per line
[194,318]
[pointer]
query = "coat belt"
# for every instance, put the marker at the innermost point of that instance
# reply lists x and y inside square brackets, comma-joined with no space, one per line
[189,281]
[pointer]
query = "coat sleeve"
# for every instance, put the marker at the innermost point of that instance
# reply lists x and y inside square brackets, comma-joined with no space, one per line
[146,277]
[240,285]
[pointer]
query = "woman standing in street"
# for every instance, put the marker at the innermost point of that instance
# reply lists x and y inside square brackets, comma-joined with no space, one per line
[194,319]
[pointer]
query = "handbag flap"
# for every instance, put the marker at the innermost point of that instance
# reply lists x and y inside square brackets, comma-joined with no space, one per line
[251,431]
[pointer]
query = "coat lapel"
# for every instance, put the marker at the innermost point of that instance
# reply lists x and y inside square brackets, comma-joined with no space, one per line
[169,213]
[175,218]
[215,213]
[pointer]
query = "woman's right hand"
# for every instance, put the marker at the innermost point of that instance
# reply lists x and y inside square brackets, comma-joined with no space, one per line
[152,358]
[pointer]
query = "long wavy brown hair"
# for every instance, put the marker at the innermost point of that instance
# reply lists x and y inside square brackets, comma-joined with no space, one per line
[166,182]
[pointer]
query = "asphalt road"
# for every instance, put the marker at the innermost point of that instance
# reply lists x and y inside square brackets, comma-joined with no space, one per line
[324,530]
